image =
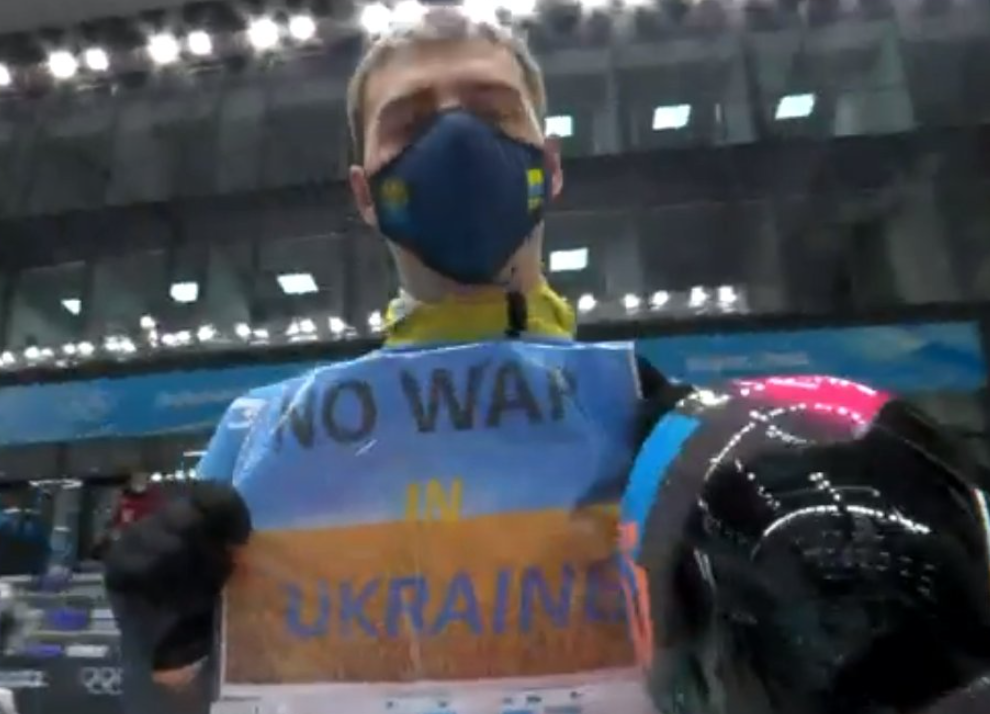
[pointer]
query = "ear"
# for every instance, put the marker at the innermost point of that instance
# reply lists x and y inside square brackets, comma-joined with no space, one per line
[551,154]
[362,195]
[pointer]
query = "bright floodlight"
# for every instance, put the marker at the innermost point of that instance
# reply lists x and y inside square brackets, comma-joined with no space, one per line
[596,5]
[481,10]
[376,18]
[73,305]
[263,33]
[200,43]
[302,27]
[375,321]
[659,299]
[795,106]
[562,261]
[408,12]
[163,48]
[243,330]
[699,297]
[96,59]
[62,64]
[519,8]
[297,283]
[562,126]
[6,78]
[727,295]
[185,292]
[672,117]
[586,303]
[337,326]
[631,302]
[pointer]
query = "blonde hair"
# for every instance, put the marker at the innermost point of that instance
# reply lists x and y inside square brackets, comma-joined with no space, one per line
[438,25]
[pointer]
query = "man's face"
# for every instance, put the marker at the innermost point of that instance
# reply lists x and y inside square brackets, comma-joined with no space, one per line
[419,81]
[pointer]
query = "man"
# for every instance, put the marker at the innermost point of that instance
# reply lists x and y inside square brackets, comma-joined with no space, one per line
[455,172]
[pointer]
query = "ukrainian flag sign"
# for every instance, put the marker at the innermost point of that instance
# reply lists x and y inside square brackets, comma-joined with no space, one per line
[424,517]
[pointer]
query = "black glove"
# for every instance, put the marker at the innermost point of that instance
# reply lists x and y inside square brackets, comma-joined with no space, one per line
[178,560]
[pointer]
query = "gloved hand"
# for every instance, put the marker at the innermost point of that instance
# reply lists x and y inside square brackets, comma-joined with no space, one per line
[178,560]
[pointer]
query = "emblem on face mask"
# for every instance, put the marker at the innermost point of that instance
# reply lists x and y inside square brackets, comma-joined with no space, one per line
[395,194]
[536,184]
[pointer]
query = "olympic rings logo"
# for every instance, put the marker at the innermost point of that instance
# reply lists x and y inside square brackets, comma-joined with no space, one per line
[101,681]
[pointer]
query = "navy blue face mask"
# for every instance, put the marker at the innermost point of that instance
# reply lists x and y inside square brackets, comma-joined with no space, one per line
[463,197]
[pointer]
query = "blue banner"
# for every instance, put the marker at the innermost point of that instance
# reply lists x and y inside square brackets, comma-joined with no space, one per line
[898,358]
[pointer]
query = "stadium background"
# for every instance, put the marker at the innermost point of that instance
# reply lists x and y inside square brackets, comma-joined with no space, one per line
[172,200]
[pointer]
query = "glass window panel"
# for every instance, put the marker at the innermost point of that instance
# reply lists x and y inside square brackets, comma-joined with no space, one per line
[229,282]
[296,146]
[48,308]
[26,512]
[601,239]
[127,287]
[187,278]
[379,281]
[283,290]
[966,211]
[708,245]
[103,457]
[38,461]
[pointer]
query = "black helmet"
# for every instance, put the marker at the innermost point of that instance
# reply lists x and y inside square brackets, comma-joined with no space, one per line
[806,546]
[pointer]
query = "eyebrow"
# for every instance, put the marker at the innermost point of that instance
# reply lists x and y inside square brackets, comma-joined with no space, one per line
[471,87]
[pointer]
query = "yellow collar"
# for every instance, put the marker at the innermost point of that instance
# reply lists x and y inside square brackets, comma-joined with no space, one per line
[475,319]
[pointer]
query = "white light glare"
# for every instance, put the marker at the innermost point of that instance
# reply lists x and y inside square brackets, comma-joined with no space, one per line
[375,321]
[631,302]
[727,295]
[337,326]
[148,322]
[96,59]
[6,78]
[297,283]
[519,8]
[243,330]
[73,305]
[659,299]
[8,358]
[206,333]
[69,349]
[561,126]
[85,349]
[586,303]
[795,106]
[408,12]
[62,64]
[185,292]
[307,326]
[699,296]
[481,10]
[596,5]
[200,43]
[376,18]
[302,27]
[32,353]
[562,261]
[163,48]
[672,117]
[263,33]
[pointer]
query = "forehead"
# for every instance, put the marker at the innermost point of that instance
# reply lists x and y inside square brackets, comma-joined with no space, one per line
[443,67]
